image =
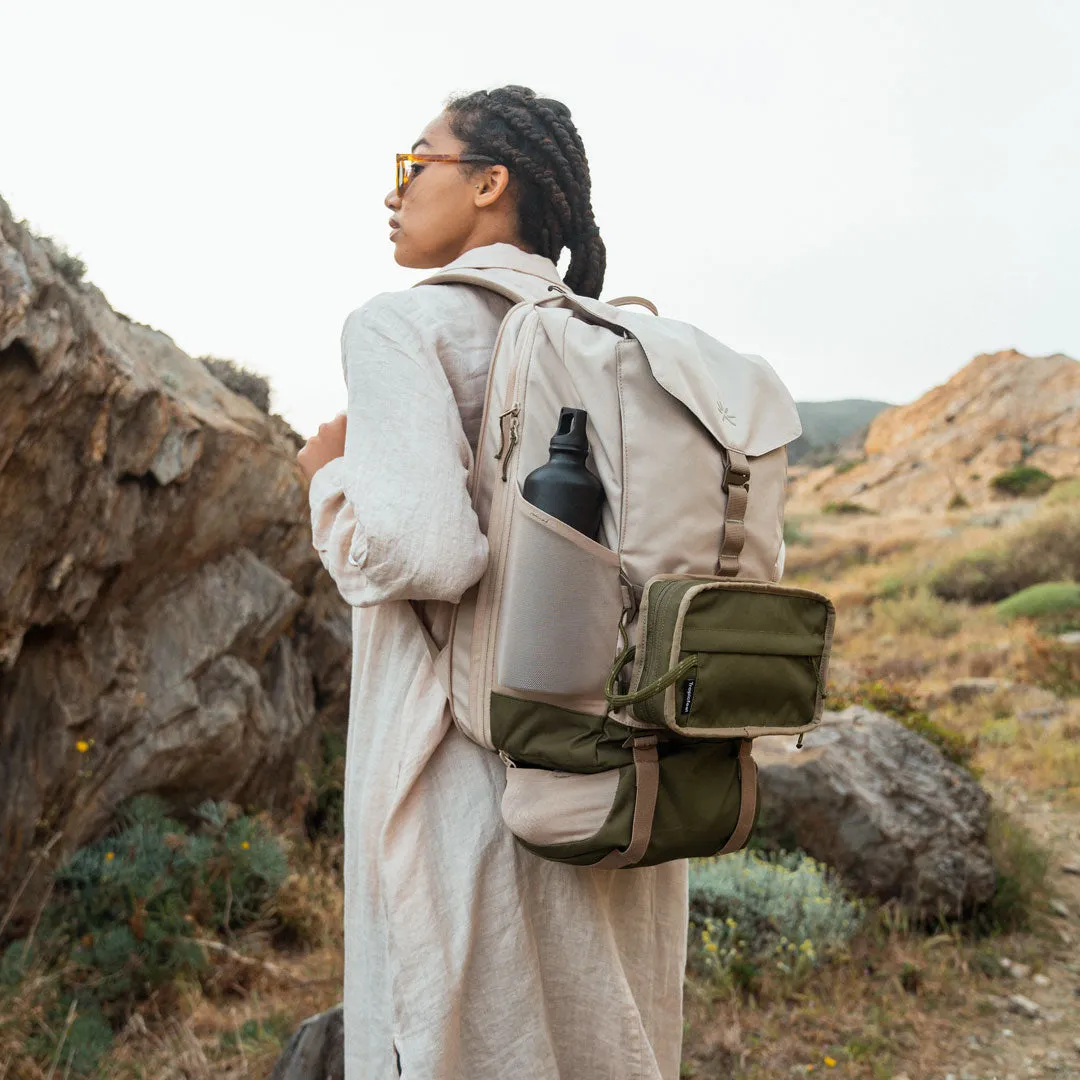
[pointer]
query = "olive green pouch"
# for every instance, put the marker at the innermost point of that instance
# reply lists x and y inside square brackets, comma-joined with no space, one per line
[722,659]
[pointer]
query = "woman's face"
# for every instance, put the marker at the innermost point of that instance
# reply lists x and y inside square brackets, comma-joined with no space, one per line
[446,207]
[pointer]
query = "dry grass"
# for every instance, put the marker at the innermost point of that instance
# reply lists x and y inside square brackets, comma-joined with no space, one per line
[893,1004]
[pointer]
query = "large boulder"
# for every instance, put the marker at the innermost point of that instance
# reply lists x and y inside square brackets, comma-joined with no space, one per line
[882,806]
[165,624]
[316,1051]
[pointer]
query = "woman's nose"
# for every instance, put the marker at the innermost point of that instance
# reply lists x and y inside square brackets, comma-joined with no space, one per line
[392,200]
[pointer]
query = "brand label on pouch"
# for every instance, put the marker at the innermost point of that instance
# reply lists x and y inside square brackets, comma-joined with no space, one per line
[687,696]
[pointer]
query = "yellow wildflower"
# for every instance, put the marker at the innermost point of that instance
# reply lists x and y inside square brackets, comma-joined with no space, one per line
[245,845]
[731,922]
[82,746]
[831,1062]
[711,947]
[109,856]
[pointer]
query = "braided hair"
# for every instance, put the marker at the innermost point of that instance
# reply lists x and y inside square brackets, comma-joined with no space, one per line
[536,140]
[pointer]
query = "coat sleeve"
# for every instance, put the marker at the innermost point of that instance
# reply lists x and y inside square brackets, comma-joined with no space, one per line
[391,519]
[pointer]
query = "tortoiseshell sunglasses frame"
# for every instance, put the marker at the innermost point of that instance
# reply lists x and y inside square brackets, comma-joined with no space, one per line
[401,181]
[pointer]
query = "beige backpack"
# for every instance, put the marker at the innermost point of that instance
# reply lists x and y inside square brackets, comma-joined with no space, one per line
[621,681]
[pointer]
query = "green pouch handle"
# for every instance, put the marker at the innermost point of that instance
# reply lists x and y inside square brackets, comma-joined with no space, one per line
[617,701]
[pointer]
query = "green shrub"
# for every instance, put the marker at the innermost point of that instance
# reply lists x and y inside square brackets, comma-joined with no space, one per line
[845,508]
[256,388]
[1046,548]
[1021,868]
[1052,665]
[892,587]
[748,910]
[918,611]
[958,502]
[848,465]
[1022,480]
[127,910]
[1055,604]
[793,532]
[70,267]
[1064,492]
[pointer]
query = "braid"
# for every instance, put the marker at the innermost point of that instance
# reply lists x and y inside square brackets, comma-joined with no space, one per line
[537,141]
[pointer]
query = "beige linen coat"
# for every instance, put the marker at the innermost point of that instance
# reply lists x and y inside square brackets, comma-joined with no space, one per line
[465,955]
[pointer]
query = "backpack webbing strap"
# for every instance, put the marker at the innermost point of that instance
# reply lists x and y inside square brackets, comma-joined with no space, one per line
[647,780]
[748,801]
[737,485]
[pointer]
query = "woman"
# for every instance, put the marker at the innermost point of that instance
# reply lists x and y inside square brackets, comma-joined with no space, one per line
[465,955]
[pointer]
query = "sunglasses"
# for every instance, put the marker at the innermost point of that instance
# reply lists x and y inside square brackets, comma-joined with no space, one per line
[407,165]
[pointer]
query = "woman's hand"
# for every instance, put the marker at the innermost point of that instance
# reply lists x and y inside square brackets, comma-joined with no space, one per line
[327,444]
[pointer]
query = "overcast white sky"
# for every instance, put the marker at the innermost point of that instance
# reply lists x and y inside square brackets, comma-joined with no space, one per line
[866,193]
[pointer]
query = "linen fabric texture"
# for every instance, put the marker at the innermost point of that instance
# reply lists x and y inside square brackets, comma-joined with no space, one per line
[464,952]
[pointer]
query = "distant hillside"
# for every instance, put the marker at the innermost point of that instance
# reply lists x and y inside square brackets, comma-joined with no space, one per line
[828,425]
[1002,421]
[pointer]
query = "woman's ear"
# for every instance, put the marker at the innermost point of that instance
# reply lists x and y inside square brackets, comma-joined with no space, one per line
[492,185]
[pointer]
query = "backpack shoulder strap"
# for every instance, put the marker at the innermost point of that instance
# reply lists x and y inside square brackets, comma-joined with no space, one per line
[502,282]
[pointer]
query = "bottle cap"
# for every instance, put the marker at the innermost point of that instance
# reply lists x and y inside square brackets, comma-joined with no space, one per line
[570,434]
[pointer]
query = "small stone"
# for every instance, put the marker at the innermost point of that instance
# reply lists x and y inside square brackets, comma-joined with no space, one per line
[1076,1045]
[1019,971]
[965,690]
[1058,908]
[1071,868]
[1040,716]
[1025,1006]
[1071,638]
[1040,980]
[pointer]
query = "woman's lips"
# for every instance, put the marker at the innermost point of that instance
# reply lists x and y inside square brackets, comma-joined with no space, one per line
[394,226]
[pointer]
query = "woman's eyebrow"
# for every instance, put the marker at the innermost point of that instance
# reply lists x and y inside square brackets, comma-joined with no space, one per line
[419,142]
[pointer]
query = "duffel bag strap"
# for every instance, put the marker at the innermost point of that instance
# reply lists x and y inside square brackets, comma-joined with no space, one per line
[748,802]
[647,782]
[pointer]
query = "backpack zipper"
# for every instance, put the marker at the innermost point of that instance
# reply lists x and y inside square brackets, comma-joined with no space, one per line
[502,512]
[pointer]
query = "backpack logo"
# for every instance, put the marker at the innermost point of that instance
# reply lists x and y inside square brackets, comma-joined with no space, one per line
[687,695]
[725,413]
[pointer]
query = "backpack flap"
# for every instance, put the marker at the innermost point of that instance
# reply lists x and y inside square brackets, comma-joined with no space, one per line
[722,659]
[739,398]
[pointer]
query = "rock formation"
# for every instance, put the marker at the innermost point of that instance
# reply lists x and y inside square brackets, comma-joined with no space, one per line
[316,1051]
[1003,409]
[883,807]
[165,624]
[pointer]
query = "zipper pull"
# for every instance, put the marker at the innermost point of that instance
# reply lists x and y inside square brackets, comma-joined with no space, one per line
[510,448]
[506,420]
[507,760]
[798,743]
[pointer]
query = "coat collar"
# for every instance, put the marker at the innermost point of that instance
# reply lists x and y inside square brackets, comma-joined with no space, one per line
[509,257]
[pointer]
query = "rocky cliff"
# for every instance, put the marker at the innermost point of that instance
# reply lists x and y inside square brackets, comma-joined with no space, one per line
[1002,410]
[165,624]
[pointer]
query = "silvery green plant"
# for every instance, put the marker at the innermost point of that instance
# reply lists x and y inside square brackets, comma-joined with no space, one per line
[749,910]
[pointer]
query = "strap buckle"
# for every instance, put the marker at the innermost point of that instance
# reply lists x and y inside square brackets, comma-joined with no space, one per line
[736,476]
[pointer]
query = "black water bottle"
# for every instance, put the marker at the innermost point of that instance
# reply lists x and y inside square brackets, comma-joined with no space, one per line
[564,487]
